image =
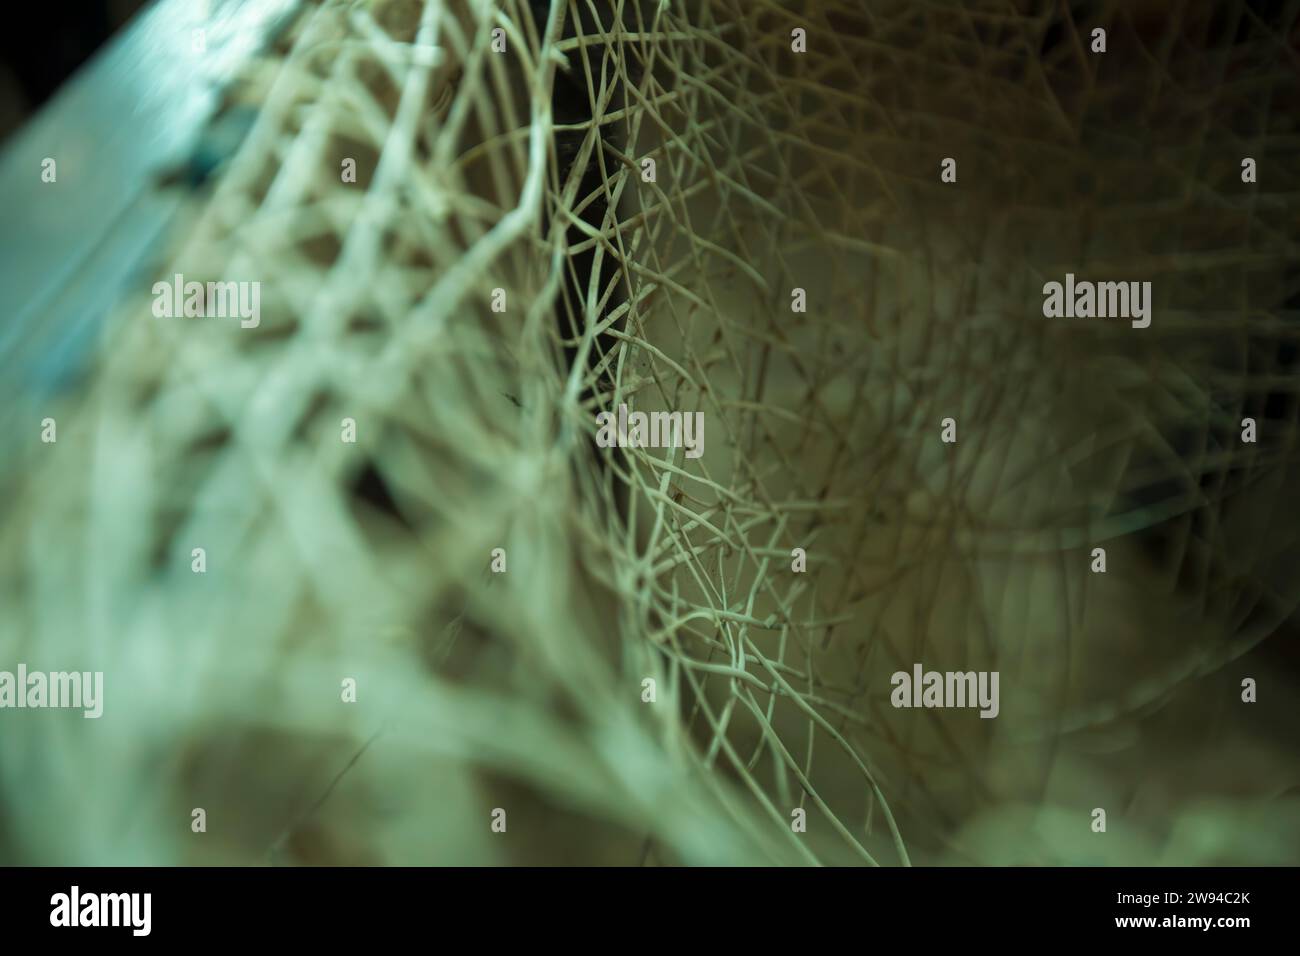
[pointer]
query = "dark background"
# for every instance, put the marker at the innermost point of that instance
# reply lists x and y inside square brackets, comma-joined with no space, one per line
[46,46]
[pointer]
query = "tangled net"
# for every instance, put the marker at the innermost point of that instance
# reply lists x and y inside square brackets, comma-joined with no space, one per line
[486,178]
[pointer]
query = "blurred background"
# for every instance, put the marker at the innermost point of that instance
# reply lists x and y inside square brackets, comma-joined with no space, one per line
[35,62]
